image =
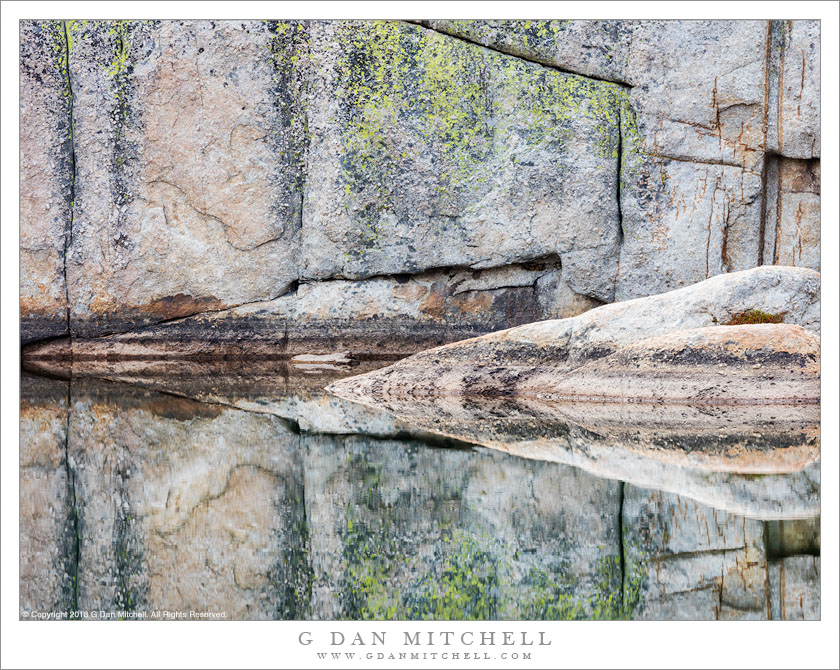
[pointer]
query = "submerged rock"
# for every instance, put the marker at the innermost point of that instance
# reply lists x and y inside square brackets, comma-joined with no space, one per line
[578,356]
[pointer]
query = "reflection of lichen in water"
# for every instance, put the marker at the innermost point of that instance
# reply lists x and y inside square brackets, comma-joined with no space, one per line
[370,555]
[634,581]
[464,582]
[470,577]
[551,594]
[455,569]
[371,549]
[548,595]
[128,563]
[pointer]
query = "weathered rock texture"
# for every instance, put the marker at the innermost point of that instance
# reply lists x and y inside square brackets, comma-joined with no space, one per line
[794,588]
[325,170]
[46,178]
[718,365]
[792,224]
[694,562]
[537,359]
[188,171]
[380,316]
[47,524]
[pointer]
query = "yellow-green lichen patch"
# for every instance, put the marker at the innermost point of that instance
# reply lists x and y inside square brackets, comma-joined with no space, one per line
[428,122]
[408,96]
[119,69]
[453,571]
[550,593]
[633,153]
[62,34]
[519,36]
[554,105]
[119,32]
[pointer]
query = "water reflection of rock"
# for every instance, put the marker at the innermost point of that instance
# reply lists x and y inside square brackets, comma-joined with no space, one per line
[757,461]
[47,531]
[152,501]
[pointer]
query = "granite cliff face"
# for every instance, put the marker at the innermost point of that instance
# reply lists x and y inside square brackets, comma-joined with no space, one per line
[268,186]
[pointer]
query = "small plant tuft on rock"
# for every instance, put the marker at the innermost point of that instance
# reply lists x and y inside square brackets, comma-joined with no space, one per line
[752,316]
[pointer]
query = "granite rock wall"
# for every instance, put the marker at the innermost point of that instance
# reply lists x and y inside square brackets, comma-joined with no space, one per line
[447,178]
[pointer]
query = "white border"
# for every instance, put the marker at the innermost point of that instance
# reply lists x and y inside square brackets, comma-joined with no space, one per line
[583,645]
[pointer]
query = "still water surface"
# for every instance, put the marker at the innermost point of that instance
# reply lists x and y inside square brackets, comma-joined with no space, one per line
[256,494]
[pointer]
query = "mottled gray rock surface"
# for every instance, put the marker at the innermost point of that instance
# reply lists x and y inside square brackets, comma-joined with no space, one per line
[691,561]
[795,588]
[432,152]
[595,49]
[197,167]
[188,171]
[792,223]
[793,123]
[532,359]
[46,178]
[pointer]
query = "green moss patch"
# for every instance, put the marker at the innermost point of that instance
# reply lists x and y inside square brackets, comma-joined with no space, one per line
[751,317]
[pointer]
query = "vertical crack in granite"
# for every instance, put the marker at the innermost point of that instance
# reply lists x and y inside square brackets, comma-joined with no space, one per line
[68,230]
[771,142]
[775,94]
[73,520]
[770,215]
[763,215]
[785,27]
[767,72]
[724,244]
[764,167]
[778,222]
[618,183]
[621,557]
